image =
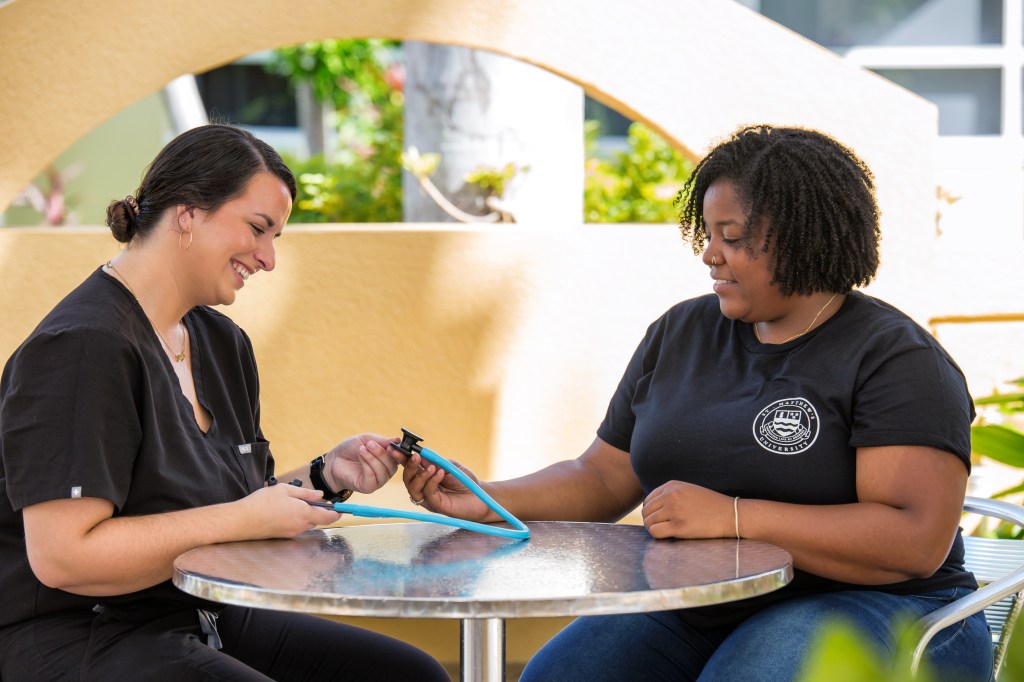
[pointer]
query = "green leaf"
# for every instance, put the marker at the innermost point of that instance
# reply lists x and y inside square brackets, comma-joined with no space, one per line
[637,185]
[1013,668]
[1009,491]
[843,654]
[1000,443]
[1000,399]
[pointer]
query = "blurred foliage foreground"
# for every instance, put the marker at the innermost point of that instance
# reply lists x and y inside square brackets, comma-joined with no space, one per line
[844,654]
[363,81]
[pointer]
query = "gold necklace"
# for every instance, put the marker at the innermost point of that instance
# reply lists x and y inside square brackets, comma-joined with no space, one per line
[178,357]
[796,336]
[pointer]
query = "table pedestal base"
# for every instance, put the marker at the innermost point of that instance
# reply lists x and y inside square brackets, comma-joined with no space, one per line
[483,650]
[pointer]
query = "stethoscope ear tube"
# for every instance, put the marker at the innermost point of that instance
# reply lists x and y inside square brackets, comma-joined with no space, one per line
[408,446]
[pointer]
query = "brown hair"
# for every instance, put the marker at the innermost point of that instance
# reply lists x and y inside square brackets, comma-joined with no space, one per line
[204,167]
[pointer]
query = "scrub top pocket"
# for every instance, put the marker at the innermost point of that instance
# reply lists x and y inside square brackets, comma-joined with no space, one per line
[253,461]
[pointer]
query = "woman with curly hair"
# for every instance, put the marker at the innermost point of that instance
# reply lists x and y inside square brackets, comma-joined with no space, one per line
[785,407]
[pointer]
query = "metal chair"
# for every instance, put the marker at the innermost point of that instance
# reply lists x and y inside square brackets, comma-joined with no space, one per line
[999,567]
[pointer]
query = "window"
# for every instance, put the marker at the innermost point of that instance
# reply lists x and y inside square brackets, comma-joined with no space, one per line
[612,123]
[247,95]
[846,23]
[968,99]
[963,55]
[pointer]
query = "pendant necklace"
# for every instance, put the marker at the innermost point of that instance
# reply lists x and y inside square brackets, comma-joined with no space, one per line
[795,336]
[180,355]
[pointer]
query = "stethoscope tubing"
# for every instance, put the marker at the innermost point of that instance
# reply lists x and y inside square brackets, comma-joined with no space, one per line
[519,531]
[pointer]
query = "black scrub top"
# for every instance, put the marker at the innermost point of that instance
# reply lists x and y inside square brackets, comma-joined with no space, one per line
[90,406]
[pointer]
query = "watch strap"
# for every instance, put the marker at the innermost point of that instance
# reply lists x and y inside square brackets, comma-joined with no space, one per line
[316,477]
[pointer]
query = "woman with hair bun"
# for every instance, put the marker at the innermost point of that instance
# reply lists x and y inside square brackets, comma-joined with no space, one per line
[130,433]
[786,407]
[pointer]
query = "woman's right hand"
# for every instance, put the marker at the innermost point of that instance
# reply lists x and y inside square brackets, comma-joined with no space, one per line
[79,546]
[441,492]
[282,511]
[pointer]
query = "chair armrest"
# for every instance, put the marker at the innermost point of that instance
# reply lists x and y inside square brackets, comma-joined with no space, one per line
[926,627]
[1010,513]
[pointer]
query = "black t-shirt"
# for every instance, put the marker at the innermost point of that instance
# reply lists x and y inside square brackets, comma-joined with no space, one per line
[90,406]
[703,401]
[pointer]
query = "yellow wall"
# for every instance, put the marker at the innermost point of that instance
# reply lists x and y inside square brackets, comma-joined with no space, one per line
[500,346]
[693,70]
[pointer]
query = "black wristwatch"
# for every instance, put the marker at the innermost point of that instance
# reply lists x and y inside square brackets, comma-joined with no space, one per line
[316,477]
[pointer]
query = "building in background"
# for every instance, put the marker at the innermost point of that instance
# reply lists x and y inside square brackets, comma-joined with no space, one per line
[967,57]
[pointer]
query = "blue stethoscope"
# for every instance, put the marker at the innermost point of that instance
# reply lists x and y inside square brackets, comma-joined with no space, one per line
[409,445]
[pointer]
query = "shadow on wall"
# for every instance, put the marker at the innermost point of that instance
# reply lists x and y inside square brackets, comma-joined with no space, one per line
[368,332]
[360,330]
[500,346]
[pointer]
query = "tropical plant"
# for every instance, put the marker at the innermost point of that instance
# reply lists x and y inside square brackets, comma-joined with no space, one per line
[634,186]
[361,181]
[343,192]
[363,81]
[491,182]
[996,438]
[48,195]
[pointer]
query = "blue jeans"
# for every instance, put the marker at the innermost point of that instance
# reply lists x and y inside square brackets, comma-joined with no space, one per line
[769,646]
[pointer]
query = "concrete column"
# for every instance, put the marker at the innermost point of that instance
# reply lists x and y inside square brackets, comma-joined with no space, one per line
[184,104]
[477,108]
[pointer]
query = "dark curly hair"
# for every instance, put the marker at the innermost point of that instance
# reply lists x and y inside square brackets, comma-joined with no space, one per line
[815,198]
[203,167]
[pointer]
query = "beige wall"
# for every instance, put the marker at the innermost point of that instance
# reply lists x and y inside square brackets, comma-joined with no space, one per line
[693,70]
[500,346]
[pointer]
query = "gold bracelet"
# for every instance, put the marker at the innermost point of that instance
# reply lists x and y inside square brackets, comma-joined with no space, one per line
[736,515]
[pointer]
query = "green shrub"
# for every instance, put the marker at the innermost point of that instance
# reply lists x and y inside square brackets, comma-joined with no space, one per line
[362,181]
[634,186]
[1001,442]
[363,82]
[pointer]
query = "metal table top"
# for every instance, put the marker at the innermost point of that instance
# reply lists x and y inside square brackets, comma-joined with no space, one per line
[423,570]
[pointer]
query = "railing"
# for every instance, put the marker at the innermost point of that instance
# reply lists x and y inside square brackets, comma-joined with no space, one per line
[934,322]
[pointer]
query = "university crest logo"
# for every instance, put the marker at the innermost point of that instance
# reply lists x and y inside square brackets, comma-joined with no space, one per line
[787,427]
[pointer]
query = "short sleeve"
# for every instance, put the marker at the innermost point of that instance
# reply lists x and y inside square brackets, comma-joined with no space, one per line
[917,397]
[620,419]
[69,426]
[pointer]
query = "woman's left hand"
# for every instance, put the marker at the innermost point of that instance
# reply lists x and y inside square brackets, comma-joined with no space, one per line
[685,510]
[363,463]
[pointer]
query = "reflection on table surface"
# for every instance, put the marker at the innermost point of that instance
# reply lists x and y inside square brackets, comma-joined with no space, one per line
[433,571]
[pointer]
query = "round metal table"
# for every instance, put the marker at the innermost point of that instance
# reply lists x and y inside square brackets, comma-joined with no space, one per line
[424,570]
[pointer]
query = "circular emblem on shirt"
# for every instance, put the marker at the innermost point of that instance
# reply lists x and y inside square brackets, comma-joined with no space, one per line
[787,426]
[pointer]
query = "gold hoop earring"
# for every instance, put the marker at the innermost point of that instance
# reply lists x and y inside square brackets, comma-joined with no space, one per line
[187,246]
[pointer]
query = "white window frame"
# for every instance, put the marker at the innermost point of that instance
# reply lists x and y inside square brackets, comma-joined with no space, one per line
[1008,57]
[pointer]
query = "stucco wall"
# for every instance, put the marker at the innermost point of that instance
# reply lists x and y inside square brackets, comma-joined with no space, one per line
[500,346]
[692,70]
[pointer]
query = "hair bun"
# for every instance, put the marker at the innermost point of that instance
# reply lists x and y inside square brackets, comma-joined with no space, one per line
[121,219]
